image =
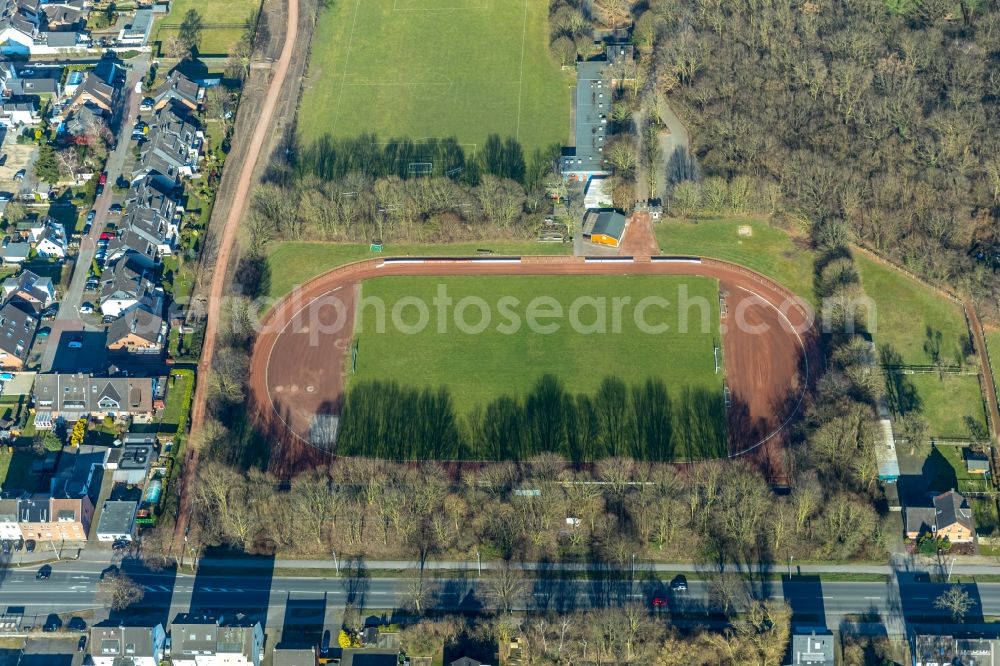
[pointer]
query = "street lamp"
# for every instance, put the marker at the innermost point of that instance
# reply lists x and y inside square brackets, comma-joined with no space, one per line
[336,562]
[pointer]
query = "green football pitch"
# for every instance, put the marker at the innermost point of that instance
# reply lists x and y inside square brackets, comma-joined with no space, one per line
[507,359]
[436,68]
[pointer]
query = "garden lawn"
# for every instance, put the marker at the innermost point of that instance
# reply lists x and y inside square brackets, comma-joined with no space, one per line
[222,20]
[951,471]
[946,404]
[769,251]
[294,263]
[911,317]
[478,367]
[436,68]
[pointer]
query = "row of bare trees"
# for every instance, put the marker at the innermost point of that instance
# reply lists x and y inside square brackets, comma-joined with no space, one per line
[544,509]
[624,635]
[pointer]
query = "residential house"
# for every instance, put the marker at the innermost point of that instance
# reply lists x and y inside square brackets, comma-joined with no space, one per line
[209,641]
[52,243]
[131,462]
[172,150]
[22,33]
[31,289]
[20,112]
[18,325]
[150,193]
[14,252]
[55,518]
[137,32]
[65,15]
[812,650]
[947,650]
[10,527]
[83,121]
[75,396]
[126,286]
[151,230]
[117,520]
[96,93]
[178,87]
[138,331]
[294,656]
[950,517]
[132,646]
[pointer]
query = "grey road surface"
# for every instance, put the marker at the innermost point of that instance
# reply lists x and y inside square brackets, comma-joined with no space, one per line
[68,317]
[72,587]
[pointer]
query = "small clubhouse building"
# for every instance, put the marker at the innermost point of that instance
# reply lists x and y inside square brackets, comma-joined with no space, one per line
[604,227]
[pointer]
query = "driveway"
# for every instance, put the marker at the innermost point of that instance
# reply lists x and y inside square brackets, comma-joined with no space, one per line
[68,319]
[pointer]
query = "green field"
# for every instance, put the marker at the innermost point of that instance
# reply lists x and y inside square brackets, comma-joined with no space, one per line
[993,343]
[944,403]
[295,263]
[436,68]
[222,20]
[769,250]
[911,317]
[480,367]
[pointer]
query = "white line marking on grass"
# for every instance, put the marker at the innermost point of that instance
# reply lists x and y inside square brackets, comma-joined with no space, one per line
[520,86]
[347,60]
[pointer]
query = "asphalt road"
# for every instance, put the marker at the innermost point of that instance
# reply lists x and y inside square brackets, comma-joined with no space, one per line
[72,587]
[68,318]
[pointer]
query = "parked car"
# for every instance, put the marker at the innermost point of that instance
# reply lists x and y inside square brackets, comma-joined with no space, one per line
[29,545]
[7,546]
[91,215]
[3,159]
[659,602]
[86,228]
[21,173]
[87,308]
[19,545]
[75,343]
[146,104]
[43,332]
[103,179]
[119,544]
[679,584]
[107,236]
[44,571]
[81,644]
[116,209]
[109,319]
[99,190]
[6,196]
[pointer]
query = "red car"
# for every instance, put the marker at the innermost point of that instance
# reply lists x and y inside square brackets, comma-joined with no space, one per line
[660,602]
[107,235]
[103,180]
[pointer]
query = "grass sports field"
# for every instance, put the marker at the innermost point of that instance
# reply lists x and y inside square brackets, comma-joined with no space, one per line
[436,68]
[480,367]
[768,250]
[294,263]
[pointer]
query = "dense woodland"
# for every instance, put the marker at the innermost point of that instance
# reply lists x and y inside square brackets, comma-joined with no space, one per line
[875,118]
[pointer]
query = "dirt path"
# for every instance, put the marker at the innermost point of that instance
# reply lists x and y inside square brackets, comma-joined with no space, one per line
[301,359]
[226,242]
[989,385]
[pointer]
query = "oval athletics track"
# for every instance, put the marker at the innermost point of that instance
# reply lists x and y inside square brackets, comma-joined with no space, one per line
[297,373]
